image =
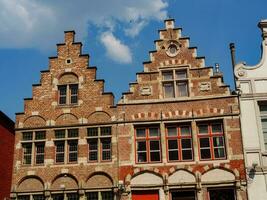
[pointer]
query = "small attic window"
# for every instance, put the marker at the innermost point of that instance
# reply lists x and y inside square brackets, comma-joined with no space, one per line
[68,61]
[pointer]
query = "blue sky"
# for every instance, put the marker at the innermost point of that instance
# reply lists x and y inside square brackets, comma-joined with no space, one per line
[118,35]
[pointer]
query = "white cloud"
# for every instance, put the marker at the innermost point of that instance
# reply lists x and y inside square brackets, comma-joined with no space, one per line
[40,24]
[116,50]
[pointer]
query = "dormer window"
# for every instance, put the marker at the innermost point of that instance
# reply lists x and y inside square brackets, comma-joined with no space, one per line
[68,90]
[175,83]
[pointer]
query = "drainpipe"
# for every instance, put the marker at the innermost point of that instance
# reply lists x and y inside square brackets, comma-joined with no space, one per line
[232,49]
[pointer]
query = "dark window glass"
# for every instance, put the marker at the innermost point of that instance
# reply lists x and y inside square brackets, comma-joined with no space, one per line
[38,197]
[204,142]
[203,129]
[73,133]
[172,131]
[24,197]
[221,194]
[168,90]
[73,151]
[60,152]
[39,153]
[106,149]
[27,136]
[153,132]
[105,131]
[93,150]
[92,132]
[140,132]
[73,196]
[183,195]
[27,153]
[58,196]
[92,196]
[73,94]
[62,94]
[107,195]
[60,133]
[216,128]
[154,150]
[185,131]
[40,135]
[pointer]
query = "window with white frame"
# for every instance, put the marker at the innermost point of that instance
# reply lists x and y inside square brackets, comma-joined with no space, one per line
[33,145]
[179,142]
[66,145]
[99,144]
[263,116]
[147,144]
[175,83]
[211,140]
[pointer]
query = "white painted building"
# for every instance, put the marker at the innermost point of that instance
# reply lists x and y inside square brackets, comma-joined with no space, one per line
[251,81]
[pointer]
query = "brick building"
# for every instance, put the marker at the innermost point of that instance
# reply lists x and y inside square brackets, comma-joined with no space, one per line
[7,139]
[174,135]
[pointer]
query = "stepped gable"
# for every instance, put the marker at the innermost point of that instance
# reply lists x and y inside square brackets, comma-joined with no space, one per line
[69,67]
[174,52]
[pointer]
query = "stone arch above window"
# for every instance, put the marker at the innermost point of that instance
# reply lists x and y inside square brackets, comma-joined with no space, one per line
[99,116]
[215,175]
[67,119]
[99,180]
[64,182]
[181,177]
[30,184]
[68,78]
[146,178]
[34,121]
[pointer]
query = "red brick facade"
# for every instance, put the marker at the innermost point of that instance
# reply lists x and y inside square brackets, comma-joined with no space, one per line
[7,139]
[124,148]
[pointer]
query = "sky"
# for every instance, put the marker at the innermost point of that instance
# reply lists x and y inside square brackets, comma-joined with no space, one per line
[118,34]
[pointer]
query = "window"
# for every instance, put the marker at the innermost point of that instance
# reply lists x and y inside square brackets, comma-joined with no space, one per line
[68,94]
[33,145]
[211,141]
[228,194]
[175,83]
[66,145]
[147,144]
[99,144]
[100,195]
[263,115]
[183,195]
[179,142]
[31,197]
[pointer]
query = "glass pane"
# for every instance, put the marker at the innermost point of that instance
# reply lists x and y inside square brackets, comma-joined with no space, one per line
[154,145]
[172,131]
[155,156]
[93,144]
[27,135]
[24,197]
[73,157]
[187,154]
[173,155]
[216,128]
[185,130]
[141,157]
[106,155]
[181,74]
[60,157]
[40,147]
[92,196]
[263,109]
[74,89]
[58,197]
[73,146]
[141,146]
[107,195]
[182,89]
[62,90]
[92,132]
[205,153]
[167,75]
[40,159]
[219,152]
[172,144]
[73,196]
[140,132]
[218,141]
[219,194]
[40,135]
[73,132]
[62,100]
[153,132]
[38,197]
[106,143]
[186,143]
[168,90]
[60,133]
[203,129]
[183,195]
[204,142]
[105,130]
[27,148]
[93,155]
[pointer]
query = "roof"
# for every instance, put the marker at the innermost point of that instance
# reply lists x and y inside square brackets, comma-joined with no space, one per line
[6,122]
